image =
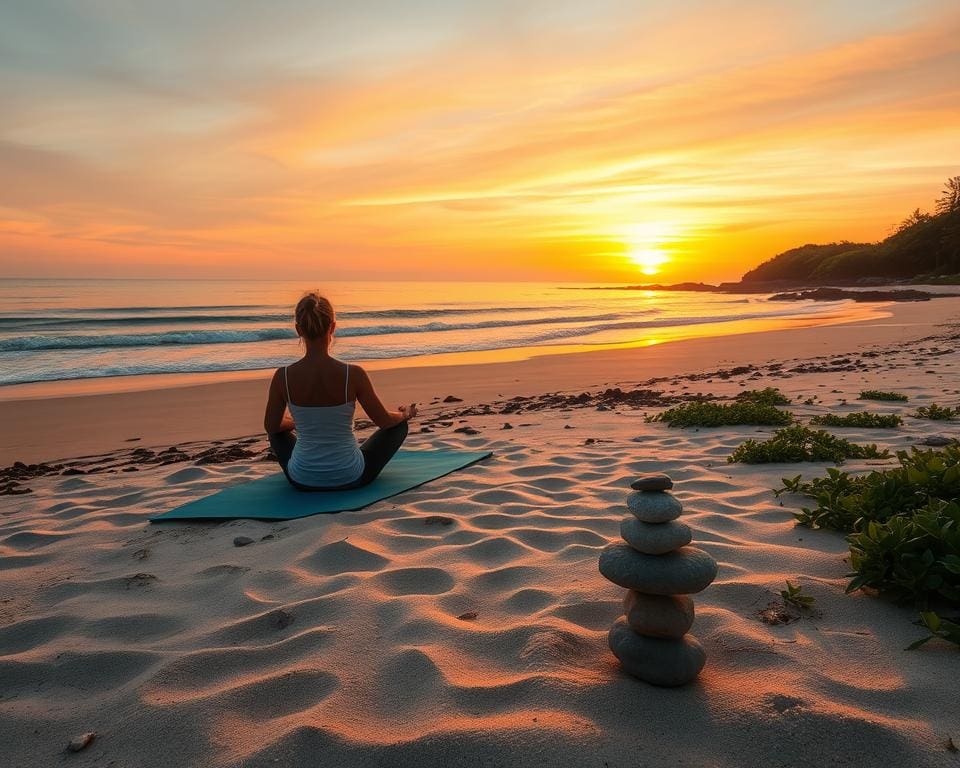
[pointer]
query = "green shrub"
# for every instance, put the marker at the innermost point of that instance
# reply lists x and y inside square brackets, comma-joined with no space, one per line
[799,443]
[861,419]
[768,396]
[936,413]
[937,627]
[844,500]
[903,523]
[911,557]
[701,414]
[873,394]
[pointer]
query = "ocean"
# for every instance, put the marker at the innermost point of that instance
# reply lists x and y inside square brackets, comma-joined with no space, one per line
[59,330]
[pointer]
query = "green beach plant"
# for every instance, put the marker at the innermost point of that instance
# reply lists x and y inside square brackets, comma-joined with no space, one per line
[796,596]
[799,443]
[935,412]
[766,396]
[875,394]
[702,414]
[903,523]
[844,500]
[937,627]
[861,419]
[911,557]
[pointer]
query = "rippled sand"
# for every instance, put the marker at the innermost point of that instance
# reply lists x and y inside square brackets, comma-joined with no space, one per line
[461,623]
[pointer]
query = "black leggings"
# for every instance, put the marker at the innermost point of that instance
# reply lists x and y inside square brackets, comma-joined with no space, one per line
[377,450]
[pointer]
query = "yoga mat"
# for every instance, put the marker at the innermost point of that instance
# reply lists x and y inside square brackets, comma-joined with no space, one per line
[273,498]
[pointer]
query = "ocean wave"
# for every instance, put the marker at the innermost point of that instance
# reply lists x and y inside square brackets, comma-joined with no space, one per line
[45,343]
[213,337]
[103,318]
[52,323]
[41,367]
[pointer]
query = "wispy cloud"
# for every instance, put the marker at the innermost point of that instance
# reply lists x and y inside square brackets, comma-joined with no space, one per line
[460,139]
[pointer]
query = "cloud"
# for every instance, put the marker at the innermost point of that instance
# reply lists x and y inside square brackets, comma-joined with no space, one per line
[233,133]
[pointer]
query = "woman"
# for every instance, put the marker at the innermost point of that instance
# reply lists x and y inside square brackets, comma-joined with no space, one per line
[321,394]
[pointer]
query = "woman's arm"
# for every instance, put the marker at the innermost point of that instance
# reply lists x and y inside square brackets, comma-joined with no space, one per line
[276,419]
[372,405]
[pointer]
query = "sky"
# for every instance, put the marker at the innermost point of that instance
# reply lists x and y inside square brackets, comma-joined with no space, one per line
[460,139]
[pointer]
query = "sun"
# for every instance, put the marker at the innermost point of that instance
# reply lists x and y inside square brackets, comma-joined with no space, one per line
[649,259]
[645,245]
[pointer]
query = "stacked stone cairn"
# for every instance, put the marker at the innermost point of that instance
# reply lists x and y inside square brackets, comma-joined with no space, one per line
[661,570]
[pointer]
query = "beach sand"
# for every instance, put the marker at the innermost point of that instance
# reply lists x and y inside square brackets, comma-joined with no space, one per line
[463,622]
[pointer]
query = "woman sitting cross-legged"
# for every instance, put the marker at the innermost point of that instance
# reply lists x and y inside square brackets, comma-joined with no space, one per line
[321,393]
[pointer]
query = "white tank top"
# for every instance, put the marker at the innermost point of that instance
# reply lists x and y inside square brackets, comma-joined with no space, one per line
[326,453]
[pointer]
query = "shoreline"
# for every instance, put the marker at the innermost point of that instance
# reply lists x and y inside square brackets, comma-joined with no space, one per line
[82,425]
[658,335]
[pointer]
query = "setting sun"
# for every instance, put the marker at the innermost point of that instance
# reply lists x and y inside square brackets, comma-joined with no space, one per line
[648,243]
[648,259]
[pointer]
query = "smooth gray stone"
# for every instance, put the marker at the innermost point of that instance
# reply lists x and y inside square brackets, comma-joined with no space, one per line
[682,572]
[81,742]
[658,615]
[652,483]
[654,507]
[655,538]
[938,441]
[242,541]
[655,659]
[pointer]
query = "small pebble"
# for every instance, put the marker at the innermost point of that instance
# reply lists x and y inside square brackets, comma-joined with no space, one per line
[242,541]
[82,741]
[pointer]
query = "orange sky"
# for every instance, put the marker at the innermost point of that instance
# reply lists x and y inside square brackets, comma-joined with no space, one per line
[465,140]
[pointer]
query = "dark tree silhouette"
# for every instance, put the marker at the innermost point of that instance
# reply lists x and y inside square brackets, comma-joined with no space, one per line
[950,198]
[917,217]
[923,245]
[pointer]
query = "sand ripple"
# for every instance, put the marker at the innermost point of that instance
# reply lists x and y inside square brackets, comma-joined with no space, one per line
[463,622]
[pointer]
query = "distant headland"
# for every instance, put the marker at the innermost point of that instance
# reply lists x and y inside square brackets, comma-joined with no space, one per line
[924,249]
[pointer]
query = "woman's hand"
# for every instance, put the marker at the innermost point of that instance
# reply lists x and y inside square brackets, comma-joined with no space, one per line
[408,411]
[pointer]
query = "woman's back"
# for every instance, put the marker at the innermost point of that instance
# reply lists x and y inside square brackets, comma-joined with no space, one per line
[326,453]
[310,408]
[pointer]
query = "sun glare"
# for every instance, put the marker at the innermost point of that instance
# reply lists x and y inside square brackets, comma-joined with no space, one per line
[645,245]
[648,259]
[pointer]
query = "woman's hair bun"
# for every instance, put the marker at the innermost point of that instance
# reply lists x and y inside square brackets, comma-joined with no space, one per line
[314,316]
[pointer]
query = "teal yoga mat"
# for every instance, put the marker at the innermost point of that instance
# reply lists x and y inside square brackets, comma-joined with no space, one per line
[273,498]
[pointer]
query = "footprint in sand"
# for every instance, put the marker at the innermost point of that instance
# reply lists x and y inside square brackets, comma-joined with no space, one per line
[510,577]
[342,557]
[285,694]
[528,601]
[27,540]
[31,633]
[415,581]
